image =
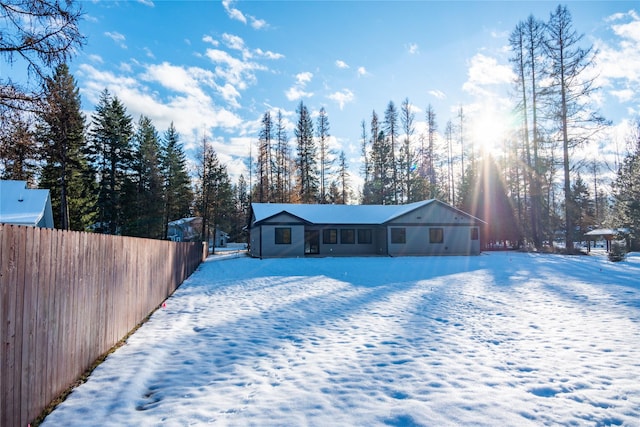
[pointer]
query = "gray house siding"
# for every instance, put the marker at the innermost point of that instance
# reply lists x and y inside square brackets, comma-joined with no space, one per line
[263,238]
[366,239]
[453,226]
[456,240]
[422,228]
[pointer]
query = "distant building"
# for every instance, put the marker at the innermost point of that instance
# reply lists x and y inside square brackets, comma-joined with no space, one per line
[430,227]
[185,230]
[20,205]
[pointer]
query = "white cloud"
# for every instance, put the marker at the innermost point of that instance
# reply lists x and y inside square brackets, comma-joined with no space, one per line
[238,72]
[236,14]
[304,78]
[96,58]
[618,60]
[117,37]
[268,54]
[149,53]
[438,94]
[210,40]
[341,64]
[187,105]
[297,91]
[233,41]
[485,71]
[147,3]
[362,72]
[342,97]
[233,12]
[258,24]
[413,49]
[623,95]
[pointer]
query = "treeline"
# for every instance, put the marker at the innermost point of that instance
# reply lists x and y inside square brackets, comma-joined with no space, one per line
[114,176]
[532,194]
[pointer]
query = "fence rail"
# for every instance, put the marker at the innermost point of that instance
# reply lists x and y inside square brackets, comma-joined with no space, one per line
[66,298]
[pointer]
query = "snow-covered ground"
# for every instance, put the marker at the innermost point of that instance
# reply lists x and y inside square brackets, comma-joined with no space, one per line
[497,339]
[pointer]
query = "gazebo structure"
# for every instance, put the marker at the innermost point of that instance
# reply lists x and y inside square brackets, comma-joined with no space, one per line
[607,233]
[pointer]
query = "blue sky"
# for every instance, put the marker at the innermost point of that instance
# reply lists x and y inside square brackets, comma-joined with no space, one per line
[214,68]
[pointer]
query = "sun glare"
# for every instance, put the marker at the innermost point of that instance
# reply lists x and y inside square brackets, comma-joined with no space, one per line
[488,131]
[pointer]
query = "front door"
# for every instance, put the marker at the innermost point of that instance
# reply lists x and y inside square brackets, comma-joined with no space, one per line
[311,242]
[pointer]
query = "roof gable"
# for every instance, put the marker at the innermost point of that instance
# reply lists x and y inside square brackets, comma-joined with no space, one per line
[342,214]
[24,206]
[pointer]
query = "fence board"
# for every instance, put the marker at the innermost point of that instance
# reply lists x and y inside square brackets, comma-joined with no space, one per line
[66,298]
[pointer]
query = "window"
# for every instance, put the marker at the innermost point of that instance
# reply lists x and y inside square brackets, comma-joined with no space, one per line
[283,236]
[364,236]
[436,235]
[347,236]
[398,235]
[474,234]
[330,236]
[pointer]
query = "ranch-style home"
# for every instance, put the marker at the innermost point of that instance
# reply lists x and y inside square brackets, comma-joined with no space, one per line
[430,227]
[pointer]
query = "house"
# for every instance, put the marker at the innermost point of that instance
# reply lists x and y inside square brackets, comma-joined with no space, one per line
[185,229]
[430,227]
[20,205]
[221,239]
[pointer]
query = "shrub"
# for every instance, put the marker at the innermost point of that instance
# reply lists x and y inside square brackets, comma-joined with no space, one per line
[618,250]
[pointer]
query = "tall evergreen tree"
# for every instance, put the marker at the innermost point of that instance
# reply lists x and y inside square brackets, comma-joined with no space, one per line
[178,194]
[307,161]
[241,211]
[390,128]
[326,160]
[408,159]
[18,149]
[581,208]
[527,42]
[428,155]
[145,213]
[65,170]
[109,150]
[264,163]
[215,200]
[283,161]
[569,95]
[627,193]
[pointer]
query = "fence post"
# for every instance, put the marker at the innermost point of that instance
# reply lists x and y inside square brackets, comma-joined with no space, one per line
[205,251]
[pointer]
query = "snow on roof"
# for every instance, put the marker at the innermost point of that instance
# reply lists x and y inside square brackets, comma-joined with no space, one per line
[24,206]
[602,232]
[336,214]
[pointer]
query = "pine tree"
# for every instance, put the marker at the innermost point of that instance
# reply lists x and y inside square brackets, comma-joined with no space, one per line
[283,162]
[390,128]
[110,154]
[306,161]
[343,180]
[178,194]
[526,44]
[568,95]
[264,165]
[145,214]
[325,161]
[65,170]
[581,208]
[241,211]
[18,149]
[627,194]
[215,200]
[428,156]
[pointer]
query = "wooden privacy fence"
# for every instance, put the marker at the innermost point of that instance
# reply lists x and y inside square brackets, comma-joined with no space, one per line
[66,298]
